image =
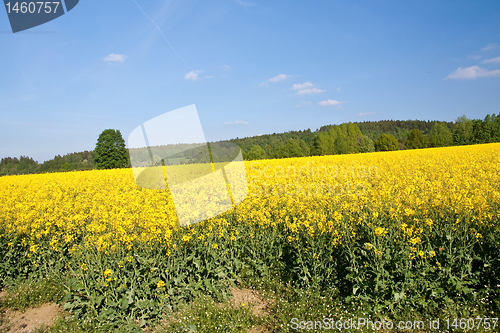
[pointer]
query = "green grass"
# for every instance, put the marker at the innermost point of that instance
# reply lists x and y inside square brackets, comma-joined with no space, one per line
[32,293]
[204,314]
[68,324]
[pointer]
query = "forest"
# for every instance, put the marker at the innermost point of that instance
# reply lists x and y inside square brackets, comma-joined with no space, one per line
[345,138]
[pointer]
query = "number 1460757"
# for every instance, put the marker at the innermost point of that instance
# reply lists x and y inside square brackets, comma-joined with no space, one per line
[32,7]
[472,323]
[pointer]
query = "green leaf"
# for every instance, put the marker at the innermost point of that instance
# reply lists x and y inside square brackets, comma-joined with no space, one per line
[124,303]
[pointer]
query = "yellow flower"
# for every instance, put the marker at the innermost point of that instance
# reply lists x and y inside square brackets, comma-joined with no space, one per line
[86,212]
[160,284]
[414,241]
[379,231]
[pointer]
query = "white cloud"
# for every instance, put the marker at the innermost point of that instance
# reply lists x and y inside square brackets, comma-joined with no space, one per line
[114,58]
[338,89]
[330,102]
[492,60]
[472,72]
[208,77]
[309,91]
[304,103]
[237,122]
[361,114]
[193,75]
[490,47]
[225,68]
[279,77]
[300,86]
[306,88]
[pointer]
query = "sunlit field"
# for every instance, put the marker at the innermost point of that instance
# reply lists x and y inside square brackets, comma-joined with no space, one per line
[387,231]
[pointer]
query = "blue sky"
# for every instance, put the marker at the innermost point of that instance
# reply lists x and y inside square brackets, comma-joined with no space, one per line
[250,67]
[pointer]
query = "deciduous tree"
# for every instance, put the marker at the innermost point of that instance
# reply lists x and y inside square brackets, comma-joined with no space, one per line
[386,142]
[110,152]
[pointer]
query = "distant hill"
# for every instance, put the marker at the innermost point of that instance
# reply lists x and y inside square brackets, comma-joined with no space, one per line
[329,139]
[400,129]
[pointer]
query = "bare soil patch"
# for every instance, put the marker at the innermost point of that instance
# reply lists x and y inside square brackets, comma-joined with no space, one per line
[246,297]
[29,320]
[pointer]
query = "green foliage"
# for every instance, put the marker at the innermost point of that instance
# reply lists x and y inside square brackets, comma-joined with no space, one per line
[328,140]
[74,161]
[440,136]
[386,142]
[416,140]
[306,151]
[339,139]
[463,132]
[131,290]
[34,292]
[397,128]
[69,324]
[486,131]
[14,166]
[366,144]
[64,167]
[269,142]
[456,273]
[495,128]
[290,148]
[203,314]
[110,152]
[323,144]
[256,153]
[293,149]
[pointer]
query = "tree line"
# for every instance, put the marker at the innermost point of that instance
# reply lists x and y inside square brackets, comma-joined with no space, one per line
[346,138]
[362,137]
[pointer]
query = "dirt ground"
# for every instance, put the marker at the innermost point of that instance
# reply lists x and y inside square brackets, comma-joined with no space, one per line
[248,296]
[29,320]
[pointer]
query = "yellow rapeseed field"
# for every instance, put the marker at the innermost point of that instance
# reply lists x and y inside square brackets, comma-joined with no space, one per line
[411,188]
[413,229]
